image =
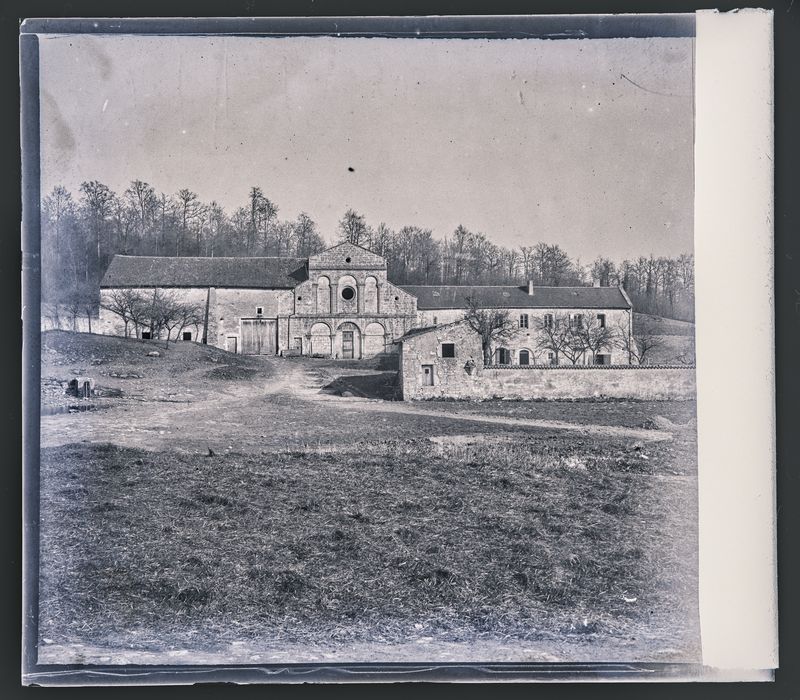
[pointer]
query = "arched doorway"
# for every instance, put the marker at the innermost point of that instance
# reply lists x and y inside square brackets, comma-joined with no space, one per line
[374,339]
[321,339]
[348,341]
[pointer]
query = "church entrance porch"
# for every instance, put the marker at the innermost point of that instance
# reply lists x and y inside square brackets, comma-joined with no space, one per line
[349,342]
[347,345]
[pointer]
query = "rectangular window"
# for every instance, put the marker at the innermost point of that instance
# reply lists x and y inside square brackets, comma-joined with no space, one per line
[601,319]
[523,320]
[576,321]
[427,375]
[602,358]
[187,335]
[551,358]
[448,350]
[298,343]
[548,320]
[259,310]
[146,335]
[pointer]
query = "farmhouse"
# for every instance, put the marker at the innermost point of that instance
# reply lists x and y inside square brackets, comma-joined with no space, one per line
[339,303]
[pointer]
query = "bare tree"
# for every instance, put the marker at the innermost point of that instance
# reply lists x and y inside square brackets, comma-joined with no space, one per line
[554,334]
[490,324]
[352,227]
[188,315]
[592,334]
[142,199]
[639,345]
[189,209]
[573,348]
[97,202]
[125,303]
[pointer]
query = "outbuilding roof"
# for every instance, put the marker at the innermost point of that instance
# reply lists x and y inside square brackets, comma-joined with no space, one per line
[145,271]
[421,330]
[507,297]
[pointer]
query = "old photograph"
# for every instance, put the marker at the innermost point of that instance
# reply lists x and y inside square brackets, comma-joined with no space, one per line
[367,349]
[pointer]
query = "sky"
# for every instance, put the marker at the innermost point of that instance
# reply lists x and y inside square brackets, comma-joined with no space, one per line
[585,143]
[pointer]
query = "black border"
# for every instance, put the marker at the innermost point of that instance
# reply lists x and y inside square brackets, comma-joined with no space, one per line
[787,283]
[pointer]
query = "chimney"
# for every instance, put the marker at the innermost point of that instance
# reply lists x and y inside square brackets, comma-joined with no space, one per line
[595,283]
[530,287]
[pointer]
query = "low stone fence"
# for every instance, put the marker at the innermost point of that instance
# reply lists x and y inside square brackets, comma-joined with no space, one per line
[643,382]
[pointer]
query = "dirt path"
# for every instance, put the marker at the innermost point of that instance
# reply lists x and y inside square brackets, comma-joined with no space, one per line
[190,411]
[307,384]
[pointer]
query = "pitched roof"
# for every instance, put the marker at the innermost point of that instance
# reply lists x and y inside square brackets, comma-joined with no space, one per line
[506,297]
[144,271]
[427,329]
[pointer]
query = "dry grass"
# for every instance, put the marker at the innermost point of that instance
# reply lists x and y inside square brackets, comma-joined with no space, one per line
[525,538]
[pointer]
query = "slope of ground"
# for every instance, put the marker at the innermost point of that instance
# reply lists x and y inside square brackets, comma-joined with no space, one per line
[261,516]
[675,339]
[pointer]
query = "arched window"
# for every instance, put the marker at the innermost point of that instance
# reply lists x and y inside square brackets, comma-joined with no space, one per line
[524,357]
[323,295]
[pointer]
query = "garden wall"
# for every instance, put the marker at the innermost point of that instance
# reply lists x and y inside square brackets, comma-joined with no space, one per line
[562,382]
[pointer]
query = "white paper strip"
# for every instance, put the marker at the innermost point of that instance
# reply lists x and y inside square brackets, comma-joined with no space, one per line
[735,338]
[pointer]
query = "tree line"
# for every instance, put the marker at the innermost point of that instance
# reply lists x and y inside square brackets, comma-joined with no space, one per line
[82,232]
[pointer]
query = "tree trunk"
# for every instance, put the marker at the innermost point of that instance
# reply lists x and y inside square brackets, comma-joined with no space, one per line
[487,353]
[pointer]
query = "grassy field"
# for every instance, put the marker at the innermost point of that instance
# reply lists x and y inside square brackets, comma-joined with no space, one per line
[383,530]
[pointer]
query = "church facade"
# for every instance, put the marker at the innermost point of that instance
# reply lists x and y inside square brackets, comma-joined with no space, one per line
[338,303]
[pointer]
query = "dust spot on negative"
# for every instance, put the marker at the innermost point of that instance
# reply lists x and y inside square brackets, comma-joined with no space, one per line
[351,169]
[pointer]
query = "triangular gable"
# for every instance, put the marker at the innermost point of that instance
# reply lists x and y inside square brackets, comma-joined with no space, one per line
[347,256]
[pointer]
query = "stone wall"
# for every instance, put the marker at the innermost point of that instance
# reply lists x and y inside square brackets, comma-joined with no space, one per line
[232,305]
[464,377]
[227,306]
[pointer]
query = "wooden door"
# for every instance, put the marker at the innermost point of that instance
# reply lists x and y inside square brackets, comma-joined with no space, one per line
[347,345]
[259,336]
[427,375]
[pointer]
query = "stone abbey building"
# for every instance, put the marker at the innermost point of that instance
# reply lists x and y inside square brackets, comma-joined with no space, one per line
[338,303]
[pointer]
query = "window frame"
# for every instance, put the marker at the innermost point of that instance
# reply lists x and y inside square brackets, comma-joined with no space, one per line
[448,345]
[601,318]
[548,321]
[524,321]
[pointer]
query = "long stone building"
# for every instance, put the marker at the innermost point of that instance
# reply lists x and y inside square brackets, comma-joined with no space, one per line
[338,303]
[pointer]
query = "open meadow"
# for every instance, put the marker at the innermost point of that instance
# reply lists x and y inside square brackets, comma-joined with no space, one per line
[209,507]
